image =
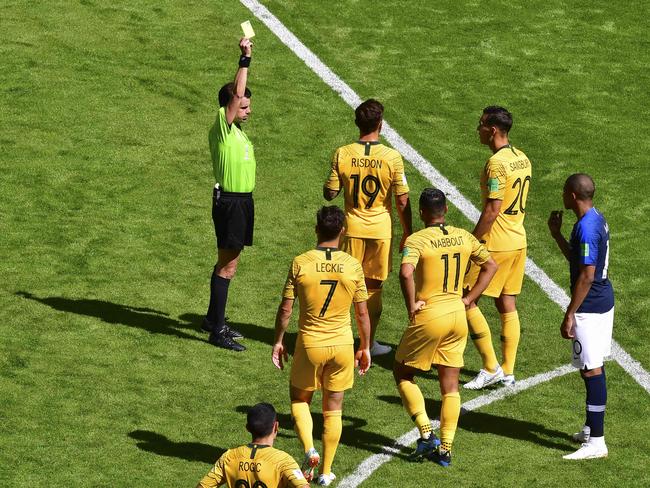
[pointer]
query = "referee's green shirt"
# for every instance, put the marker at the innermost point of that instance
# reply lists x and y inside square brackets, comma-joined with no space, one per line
[233,160]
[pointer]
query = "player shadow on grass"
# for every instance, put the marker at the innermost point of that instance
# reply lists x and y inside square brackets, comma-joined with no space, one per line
[161,445]
[353,435]
[485,423]
[153,321]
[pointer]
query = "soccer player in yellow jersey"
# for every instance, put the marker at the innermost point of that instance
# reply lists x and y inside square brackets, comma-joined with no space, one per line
[369,173]
[433,263]
[505,182]
[326,282]
[257,464]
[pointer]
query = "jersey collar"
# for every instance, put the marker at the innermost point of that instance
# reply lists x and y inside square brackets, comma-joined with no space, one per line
[441,226]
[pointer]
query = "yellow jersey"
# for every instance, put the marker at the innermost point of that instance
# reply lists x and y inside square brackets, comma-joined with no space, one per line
[369,173]
[506,177]
[254,465]
[441,255]
[325,281]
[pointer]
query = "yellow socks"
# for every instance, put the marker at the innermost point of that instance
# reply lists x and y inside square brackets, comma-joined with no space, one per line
[332,427]
[375,307]
[303,424]
[413,402]
[479,331]
[449,414]
[510,331]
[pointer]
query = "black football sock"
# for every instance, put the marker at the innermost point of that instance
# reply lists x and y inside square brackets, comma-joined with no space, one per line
[220,286]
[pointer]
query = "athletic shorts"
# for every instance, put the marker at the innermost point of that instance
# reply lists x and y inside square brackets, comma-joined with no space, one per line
[434,340]
[593,339]
[374,255]
[233,215]
[508,278]
[330,368]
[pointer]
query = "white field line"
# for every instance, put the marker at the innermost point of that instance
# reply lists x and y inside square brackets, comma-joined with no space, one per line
[534,272]
[372,463]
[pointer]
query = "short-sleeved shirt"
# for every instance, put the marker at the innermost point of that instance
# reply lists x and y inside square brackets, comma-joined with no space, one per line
[440,255]
[254,464]
[369,174]
[506,177]
[589,246]
[233,159]
[325,281]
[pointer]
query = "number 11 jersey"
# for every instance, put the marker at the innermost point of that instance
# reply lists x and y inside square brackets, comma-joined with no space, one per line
[369,173]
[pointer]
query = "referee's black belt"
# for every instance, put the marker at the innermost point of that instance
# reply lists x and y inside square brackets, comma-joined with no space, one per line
[218,192]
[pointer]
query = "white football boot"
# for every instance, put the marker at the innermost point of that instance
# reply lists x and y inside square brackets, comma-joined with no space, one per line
[379,349]
[593,449]
[325,479]
[484,378]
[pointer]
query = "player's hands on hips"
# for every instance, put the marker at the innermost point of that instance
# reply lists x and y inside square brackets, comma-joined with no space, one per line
[416,307]
[555,222]
[362,360]
[567,329]
[246,46]
[279,355]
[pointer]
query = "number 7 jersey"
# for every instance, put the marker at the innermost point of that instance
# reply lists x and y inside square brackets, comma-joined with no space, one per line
[369,173]
[325,281]
[506,177]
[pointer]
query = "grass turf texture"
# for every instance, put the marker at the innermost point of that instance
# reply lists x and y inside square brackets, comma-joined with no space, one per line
[107,238]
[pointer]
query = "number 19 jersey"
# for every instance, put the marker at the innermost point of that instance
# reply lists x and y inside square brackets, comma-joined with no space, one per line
[506,177]
[368,172]
[440,255]
[326,281]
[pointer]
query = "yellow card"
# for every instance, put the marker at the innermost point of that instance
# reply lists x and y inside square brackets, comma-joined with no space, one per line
[248,29]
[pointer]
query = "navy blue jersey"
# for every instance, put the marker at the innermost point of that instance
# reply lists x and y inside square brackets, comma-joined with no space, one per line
[590,247]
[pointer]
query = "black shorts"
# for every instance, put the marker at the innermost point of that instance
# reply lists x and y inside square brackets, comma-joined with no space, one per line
[233,215]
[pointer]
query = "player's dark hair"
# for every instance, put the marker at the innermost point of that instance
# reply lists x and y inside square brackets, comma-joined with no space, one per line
[228,91]
[498,117]
[582,185]
[329,222]
[368,116]
[261,419]
[433,201]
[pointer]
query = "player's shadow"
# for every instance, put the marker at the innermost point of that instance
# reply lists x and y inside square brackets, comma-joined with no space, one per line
[153,321]
[353,434]
[161,445]
[485,423]
[265,335]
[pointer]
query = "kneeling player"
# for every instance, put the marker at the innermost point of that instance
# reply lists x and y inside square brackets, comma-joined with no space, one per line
[437,330]
[257,463]
[326,281]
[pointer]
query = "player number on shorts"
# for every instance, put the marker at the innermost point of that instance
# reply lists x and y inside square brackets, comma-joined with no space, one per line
[365,188]
[522,192]
[445,259]
[332,284]
[246,484]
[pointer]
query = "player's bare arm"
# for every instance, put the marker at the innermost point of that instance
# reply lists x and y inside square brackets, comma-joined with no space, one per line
[578,295]
[487,218]
[280,354]
[362,356]
[407,284]
[330,195]
[488,270]
[555,226]
[403,205]
[241,78]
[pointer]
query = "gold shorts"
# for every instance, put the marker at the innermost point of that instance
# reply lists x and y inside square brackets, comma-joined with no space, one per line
[330,368]
[374,255]
[508,278]
[432,339]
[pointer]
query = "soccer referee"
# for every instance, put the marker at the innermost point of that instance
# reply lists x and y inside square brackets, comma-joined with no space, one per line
[233,209]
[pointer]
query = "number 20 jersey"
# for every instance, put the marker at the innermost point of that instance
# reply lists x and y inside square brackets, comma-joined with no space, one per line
[325,281]
[369,173]
[506,177]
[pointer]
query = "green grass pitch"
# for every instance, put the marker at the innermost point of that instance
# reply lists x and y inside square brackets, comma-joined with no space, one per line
[107,241]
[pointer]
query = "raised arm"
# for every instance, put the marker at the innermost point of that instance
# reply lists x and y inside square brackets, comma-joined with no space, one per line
[241,77]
